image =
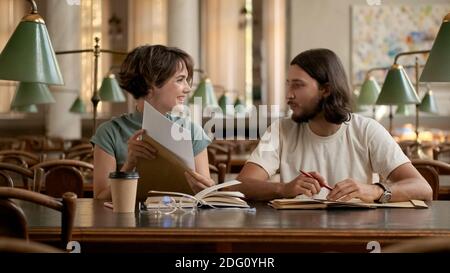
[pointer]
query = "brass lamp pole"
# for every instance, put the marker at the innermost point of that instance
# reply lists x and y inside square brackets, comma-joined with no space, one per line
[95,99]
[417,67]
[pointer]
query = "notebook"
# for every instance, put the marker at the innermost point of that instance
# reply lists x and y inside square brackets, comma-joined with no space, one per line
[310,203]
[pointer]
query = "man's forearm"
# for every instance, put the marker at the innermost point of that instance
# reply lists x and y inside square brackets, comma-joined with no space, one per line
[411,188]
[259,190]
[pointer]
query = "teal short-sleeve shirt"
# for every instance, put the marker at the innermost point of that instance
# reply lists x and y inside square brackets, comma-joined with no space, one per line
[112,136]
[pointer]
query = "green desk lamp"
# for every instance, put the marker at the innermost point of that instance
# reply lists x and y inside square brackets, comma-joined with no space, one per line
[28,55]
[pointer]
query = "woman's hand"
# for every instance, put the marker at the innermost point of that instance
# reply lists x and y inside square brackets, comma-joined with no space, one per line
[138,148]
[198,182]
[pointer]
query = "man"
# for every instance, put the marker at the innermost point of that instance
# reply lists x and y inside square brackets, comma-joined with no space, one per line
[333,147]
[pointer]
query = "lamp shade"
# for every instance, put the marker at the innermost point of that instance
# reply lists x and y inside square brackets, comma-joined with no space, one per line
[403,110]
[397,88]
[31,93]
[28,55]
[224,100]
[437,66]
[239,107]
[205,91]
[429,104]
[369,92]
[78,106]
[32,108]
[110,90]
[356,107]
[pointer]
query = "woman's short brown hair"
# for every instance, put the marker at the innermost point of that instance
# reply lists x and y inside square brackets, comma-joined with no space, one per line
[151,66]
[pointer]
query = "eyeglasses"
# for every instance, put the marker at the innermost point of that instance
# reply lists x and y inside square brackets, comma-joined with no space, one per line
[168,204]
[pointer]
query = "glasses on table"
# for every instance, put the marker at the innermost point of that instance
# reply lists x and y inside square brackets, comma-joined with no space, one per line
[168,204]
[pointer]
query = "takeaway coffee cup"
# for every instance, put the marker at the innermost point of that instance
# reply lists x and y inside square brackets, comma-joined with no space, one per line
[123,190]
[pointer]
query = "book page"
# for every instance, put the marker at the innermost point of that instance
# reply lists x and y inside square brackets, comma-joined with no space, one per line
[205,192]
[169,134]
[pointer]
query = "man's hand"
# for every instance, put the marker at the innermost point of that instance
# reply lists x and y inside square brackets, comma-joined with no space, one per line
[349,188]
[301,185]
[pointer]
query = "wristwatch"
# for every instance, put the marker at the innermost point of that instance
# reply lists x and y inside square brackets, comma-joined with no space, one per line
[387,194]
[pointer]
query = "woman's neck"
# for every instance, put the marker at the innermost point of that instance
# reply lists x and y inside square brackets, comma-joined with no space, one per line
[140,107]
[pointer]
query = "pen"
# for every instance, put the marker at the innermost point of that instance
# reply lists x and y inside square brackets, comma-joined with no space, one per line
[321,184]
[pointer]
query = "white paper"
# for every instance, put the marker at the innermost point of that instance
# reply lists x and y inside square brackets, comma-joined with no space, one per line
[160,128]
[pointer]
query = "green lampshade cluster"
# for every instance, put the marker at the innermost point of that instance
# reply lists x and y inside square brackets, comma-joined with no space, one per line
[78,106]
[437,67]
[205,91]
[429,104]
[397,88]
[356,106]
[28,57]
[369,92]
[110,90]
[31,93]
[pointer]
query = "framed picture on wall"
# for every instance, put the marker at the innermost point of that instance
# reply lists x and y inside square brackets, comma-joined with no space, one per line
[381,32]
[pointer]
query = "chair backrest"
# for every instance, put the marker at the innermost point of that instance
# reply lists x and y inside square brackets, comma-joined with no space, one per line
[62,179]
[7,143]
[441,168]
[29,158]
[13,245]
[216,149]
[220,170]
[431,176]
[6,180]
[24,175]
[7,207]
[86,155]
[86,170]
[442,153]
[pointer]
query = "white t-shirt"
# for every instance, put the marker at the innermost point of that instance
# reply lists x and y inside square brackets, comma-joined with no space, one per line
[360,148]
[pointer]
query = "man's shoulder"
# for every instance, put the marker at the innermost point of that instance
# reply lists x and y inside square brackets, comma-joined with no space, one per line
[361,122]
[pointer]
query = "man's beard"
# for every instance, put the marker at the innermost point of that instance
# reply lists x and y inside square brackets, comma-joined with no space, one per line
[308,115]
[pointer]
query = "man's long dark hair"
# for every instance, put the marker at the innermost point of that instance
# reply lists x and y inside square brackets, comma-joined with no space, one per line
[325,67]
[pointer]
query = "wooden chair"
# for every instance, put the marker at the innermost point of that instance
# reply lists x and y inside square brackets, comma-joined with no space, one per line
[86,155]
[6,180]
[13,245]
[64,175]
[431,176]
[442,153]
[424,165]
[7,143]
[13,221]
[214,150]
[220,171]
[24,175]
[20,157]
[422,245]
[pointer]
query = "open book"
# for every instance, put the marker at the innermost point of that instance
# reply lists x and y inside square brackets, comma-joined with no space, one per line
[310,203]
[209,197]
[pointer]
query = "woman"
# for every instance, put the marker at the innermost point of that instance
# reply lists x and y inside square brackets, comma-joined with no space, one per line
[162,76]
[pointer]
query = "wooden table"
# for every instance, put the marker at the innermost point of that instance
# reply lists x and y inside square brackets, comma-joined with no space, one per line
[263,230]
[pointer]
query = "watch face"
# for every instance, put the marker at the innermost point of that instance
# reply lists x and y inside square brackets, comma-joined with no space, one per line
[386,197]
